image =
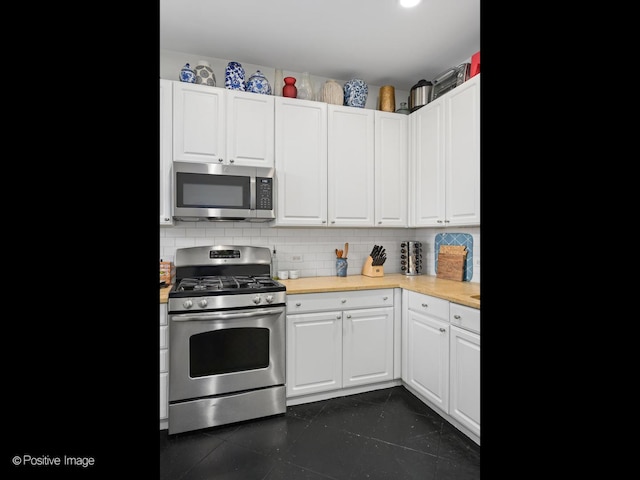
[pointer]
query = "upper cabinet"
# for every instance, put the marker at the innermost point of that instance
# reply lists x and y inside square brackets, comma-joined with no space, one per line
[218,125]
[351,166]
[250,129]
[445,159]
[166,119]
[301,162]
[391,163]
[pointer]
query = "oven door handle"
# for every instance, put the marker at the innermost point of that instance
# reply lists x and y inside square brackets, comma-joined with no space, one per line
[224,315]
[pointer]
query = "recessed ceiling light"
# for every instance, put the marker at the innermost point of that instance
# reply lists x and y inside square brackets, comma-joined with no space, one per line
[409,3]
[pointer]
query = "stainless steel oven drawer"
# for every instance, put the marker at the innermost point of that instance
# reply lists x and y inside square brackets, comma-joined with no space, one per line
[212,411]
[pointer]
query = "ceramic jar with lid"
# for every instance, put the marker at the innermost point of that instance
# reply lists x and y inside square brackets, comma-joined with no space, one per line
[187,74]
[258,83]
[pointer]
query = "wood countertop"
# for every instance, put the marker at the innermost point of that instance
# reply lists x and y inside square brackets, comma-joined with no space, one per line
[457,292]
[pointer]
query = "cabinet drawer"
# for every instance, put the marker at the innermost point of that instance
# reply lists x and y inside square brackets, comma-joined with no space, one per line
[164,360]
[164,334]
[433,306]
[465,317]
[312,302]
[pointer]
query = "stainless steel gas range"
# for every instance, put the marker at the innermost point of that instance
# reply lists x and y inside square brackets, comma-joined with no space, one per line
[226,337]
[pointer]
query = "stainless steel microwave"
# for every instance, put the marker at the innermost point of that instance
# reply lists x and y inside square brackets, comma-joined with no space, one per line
[214,192]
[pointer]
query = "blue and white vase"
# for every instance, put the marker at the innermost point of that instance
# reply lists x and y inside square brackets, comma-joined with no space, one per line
[258,83]
[187,74]
[204,74]
[234,77]
[355,93]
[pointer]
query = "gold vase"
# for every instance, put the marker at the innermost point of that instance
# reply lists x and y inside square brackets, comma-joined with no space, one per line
[387,98]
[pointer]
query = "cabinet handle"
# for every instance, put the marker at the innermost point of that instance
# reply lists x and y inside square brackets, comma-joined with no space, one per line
[219,160]
[379,223]
[443,330]
[324,221]
[425,305]
[446,221]
[348,316]
[384,298]
[457,317]
[298,304]
[344,300]
[333,221]
[231,160]
[338,317]
[438,221]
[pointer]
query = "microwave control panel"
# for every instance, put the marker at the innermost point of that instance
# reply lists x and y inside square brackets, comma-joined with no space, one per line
[264,193]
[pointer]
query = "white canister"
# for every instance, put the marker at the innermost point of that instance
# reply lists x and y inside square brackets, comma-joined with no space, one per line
[293,274]
[283,275]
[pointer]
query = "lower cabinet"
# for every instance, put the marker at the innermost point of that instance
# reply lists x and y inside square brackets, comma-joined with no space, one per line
[334,343]
[164,363]
[441,357]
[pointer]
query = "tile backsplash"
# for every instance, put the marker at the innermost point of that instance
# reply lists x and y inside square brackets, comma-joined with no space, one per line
[312,250]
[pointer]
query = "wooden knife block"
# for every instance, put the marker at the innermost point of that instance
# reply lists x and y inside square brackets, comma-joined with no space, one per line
[370,270]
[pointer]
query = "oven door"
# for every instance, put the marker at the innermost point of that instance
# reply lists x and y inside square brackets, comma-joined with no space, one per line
[220,352]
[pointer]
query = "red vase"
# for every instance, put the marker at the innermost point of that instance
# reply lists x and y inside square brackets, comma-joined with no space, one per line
[289,90]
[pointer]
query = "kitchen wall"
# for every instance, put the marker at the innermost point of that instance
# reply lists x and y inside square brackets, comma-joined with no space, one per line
[315,246]
[171,63]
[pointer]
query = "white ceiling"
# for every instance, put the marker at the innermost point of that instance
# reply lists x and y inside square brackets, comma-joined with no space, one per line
[375,40]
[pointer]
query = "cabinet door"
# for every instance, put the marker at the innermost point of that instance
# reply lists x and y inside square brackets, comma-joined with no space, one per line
[314,353]
[428,167]
[462,110]
[250,129]
[164,395]
[350,166]
[166,119]
[301,162]
[198,123]
[428,357]
[465,378]
[367,346]
[391,163]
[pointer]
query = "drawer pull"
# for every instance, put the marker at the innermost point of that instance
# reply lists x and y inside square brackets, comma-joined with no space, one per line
[425,305]
[348,316]
[443,329]
[384,298]
[298,304]
[344,300]
[338,317]
[457,317]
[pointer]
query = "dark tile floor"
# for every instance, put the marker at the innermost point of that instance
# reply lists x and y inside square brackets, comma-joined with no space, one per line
[384,434]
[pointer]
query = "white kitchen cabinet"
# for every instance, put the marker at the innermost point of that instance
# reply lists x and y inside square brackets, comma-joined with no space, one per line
[250,129]
[391,165]
[301,162]
[164,364]
[425,347]
[166,135]
[217,125]
[367,346]
[198,123]
[314,352]
[338,340]
[445,159]
[350,166]
[464,377]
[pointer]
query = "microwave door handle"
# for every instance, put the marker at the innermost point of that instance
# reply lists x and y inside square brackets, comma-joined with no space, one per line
[223,315]
[252,197]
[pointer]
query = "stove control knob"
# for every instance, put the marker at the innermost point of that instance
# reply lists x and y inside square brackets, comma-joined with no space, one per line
[269,298]
[203,303]
[257,299]
[187,304]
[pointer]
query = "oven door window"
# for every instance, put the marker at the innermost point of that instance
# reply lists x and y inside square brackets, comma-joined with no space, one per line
[228,350]
[197,190]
